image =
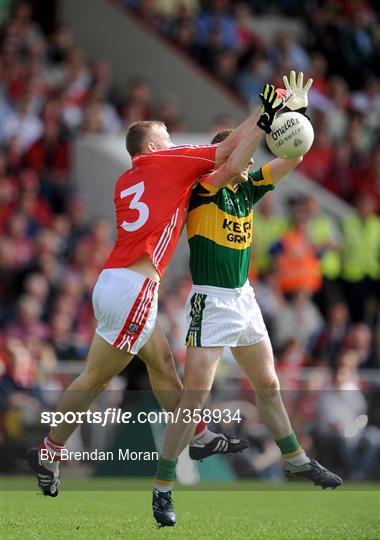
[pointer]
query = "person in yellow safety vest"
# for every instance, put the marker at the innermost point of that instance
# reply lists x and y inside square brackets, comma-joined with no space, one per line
[324,234]
[361,258]
[269,228]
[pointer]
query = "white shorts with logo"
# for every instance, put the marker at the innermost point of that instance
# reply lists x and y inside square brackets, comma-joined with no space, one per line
[125,306]
[223,317]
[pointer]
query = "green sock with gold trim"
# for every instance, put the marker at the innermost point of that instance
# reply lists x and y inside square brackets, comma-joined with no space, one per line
[164,479]
[292,451]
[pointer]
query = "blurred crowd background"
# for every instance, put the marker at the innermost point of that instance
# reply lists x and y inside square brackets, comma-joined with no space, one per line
[325,328]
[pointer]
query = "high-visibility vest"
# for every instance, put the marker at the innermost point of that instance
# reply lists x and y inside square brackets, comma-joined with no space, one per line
[361,248]
[320,230]
[298,266]
[266,232]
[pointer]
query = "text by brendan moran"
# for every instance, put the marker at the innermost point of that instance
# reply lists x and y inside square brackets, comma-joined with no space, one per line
[121,454]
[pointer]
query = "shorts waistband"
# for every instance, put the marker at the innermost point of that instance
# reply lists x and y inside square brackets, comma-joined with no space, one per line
[126,273]
[220,291]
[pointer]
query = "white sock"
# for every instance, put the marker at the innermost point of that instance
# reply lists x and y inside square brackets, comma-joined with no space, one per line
[52,466]
[54,452]
[204,437]
[297,461]
[163,489]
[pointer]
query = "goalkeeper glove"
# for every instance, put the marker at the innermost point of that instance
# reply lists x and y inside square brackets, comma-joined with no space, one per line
[272,100]
[298,100]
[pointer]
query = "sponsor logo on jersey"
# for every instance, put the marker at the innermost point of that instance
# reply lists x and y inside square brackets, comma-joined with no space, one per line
[237,233]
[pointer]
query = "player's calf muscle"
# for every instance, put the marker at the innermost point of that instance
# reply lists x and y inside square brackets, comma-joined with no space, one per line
[193,399]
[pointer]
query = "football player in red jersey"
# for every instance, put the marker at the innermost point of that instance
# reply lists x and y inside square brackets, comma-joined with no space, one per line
[150,200]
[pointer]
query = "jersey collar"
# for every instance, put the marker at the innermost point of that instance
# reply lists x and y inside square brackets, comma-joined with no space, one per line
[233,188]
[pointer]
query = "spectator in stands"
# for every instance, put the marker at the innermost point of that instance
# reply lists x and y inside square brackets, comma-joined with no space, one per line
[342,425]
[297,319]
[357,47]
[226,68]
[23,124]
[78,78]
[218,17]
[101,79]
[28,321]
[252,79]
[61,336]
[269,296]
[167,112]
[367,102]
[136,103]
[337,117]
[209,51]
[317,163]
[16,248]
[245,34]
[77,211]
[287,49]
[326,239]
[296,262]
[28,33]
[327,343]
[62,41]
[20,366]
[50,153]
[360,256]
[359,339]
[270,227]
[184,37]
[318,70]
[34,208]
[36,286]
[370,179]
[99,115]
[340,177]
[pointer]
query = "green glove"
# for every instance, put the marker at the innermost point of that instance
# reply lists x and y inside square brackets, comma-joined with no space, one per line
[298,100]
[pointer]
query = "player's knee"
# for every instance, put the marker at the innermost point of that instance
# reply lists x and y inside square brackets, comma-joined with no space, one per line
[166,365]
[93,382]
[164,369]
[269,386]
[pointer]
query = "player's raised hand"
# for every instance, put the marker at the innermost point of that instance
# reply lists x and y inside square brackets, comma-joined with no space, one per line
[272,101]
[298,100]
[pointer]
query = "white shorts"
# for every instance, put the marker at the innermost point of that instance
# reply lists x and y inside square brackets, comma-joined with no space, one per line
[223,317]
[125,306]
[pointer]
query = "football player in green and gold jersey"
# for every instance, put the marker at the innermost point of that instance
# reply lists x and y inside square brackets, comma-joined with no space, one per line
[223,312]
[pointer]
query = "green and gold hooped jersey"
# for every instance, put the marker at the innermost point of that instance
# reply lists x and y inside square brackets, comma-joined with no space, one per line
[220,228]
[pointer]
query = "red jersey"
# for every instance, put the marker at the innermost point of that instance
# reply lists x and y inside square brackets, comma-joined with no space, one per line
[150,201]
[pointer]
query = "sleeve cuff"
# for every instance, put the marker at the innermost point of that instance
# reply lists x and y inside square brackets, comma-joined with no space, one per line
[210,188]
[266,179]
[267,175]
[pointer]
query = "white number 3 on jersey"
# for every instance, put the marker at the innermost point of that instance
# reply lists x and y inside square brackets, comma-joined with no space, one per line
[137,190]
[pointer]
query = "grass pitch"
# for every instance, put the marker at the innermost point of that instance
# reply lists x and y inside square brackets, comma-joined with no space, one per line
[251,510]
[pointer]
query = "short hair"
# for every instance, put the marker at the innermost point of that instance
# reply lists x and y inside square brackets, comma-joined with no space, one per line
[137,133]
[221,135]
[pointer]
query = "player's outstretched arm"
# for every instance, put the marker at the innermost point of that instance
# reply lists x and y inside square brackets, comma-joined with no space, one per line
[235,146]
[239,158]
[226,147]
[279,168]
[220,177]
